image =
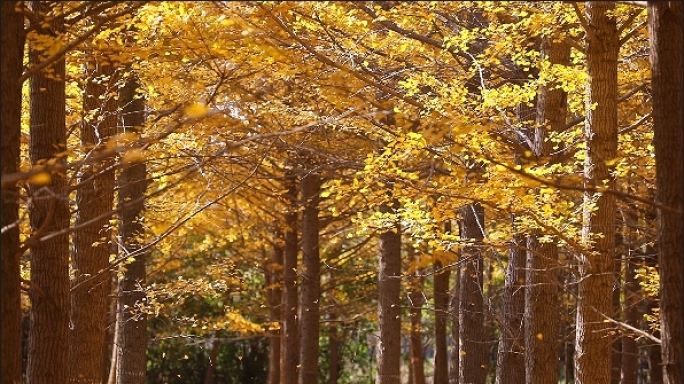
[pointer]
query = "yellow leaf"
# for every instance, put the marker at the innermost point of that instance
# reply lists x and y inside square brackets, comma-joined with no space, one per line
[43,178]
[133,156]
[196,111]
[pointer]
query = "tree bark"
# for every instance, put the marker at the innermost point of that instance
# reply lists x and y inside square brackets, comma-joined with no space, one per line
[48,353]
[11,66]
[630,348]
[510,363]
[595,285]
[473,359]
[389,305]
[94,200]
[132,337]
[665,27]
[416,301]
[334,357]
[441,288]
[289,342]
[309,308]
[455,353]
[274,294]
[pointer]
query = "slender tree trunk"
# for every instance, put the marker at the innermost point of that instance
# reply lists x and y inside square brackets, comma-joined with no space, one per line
[335,358]
[273,292]
[389,305]
[132,337]
[210,375]
[510,366]
[665,27]
[309,308]
[94,200]
[48,351]
[441,288]
[111,377]
[473,359]
[11,65]
[289,342]
[630,348]
[416,301]
[595,284]
[455,353]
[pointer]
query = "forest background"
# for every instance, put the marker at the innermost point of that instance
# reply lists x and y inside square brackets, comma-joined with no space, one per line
[342,192]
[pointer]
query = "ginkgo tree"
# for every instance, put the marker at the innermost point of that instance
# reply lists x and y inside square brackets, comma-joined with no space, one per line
[307,162]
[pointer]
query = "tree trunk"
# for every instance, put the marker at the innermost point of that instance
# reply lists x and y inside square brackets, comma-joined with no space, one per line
[595,283]
[94,200]
[510,365]
[289,341]
[455,353]
[334,344]
[48,354]
[473,359]
[665,27]
[309,308]
[416,301]
[210,375]
[132,338]
[441,287]
[274,294]
[630,348]
[389,305]
[11,66]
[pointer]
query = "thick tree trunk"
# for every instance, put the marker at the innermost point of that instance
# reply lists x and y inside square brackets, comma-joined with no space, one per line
[274,294]
[510,365]
[48,354]
[595,284]
[389,306]
[94,200]
[309,308]
[473,359]
[289,341]
[665,27]
[441,287]
[132,337]
[416,301]
[11,65]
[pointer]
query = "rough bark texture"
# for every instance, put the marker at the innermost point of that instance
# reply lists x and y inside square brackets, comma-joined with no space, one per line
[595,285]
[274,294]
[473,359]
[441,287]
[132,337]
[510,364]
[389,306]
[665,27]
[11,65]
[49,211]
[542,309]
[416,301]
[309,308]
[289,342]
[94,200]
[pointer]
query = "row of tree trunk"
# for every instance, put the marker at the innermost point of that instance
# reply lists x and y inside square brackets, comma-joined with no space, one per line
[68,339]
